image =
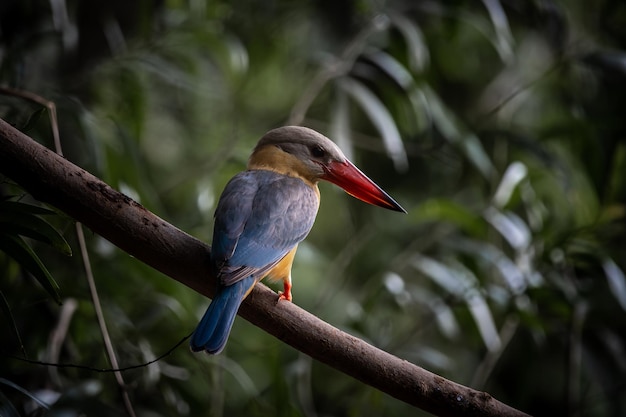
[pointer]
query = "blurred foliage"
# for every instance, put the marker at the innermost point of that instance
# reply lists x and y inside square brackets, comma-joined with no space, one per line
[498,125]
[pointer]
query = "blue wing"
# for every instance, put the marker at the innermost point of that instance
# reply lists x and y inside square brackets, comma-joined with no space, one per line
[260,217]
[212,332]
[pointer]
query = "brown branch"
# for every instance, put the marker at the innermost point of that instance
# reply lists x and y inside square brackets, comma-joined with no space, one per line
[150,239]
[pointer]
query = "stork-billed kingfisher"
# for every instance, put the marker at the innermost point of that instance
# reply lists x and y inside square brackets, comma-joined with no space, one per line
[264,212]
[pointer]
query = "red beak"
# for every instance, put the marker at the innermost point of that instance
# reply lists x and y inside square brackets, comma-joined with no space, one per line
[347,176]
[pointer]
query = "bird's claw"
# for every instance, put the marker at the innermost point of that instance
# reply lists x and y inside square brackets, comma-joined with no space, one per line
[285,295]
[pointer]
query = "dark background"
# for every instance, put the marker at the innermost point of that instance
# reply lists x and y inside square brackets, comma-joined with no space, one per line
[499,126]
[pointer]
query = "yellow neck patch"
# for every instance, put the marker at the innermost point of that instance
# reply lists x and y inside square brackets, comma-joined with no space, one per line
[272,158]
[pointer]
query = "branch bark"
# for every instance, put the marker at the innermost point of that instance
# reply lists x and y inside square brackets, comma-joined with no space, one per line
[131,227]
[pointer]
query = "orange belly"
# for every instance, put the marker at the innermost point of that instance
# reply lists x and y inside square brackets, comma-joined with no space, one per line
[282,270]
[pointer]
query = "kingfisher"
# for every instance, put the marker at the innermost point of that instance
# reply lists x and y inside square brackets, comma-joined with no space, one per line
[265,212]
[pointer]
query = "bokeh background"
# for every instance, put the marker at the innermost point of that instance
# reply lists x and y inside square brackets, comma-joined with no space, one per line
[500,125]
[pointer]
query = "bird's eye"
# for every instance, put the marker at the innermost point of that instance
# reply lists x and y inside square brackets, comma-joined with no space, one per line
[317,151]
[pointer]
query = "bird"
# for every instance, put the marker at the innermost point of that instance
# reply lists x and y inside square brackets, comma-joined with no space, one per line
[263,214]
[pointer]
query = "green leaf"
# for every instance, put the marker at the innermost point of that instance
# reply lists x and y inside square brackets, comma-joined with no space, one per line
[503,39]
[515,173]
[18,207]
[18,249]
[616,280]
[417,50]
[511,227]
[509,271]
[444,210]
[25,392]
[21,219]
[381,118]
[35,228]
[393,68]
[462,283]
[340,123]
[6,309]
[7,409]
[451,127]
[33,119]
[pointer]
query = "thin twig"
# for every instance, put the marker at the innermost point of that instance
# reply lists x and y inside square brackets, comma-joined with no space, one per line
[9,315]
[575,357]
[102,370]
[106,338]
[58,335]
[522,88]
[491,358]
[37,99]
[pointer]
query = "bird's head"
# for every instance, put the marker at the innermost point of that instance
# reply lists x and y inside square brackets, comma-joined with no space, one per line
[310,155]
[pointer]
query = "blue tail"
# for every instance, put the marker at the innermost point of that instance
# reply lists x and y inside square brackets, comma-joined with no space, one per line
[213,330]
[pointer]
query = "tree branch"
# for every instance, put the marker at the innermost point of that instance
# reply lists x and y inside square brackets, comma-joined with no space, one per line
[131,227]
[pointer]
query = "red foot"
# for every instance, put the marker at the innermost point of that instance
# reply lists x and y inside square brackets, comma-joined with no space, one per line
[286,295]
